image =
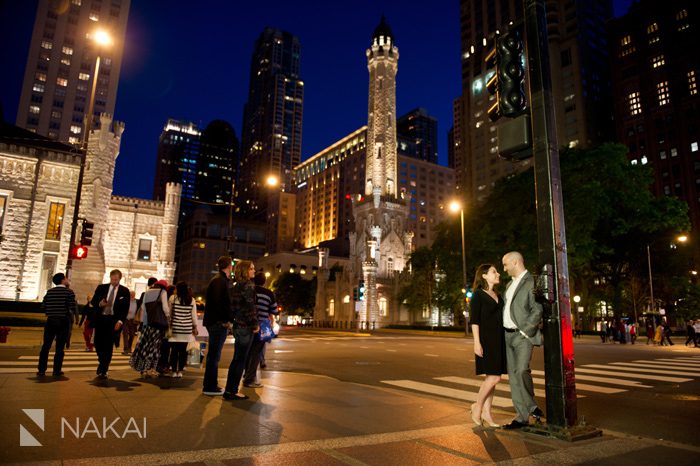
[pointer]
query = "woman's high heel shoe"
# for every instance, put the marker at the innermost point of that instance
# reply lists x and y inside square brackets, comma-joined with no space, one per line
[488,423]
[477,421]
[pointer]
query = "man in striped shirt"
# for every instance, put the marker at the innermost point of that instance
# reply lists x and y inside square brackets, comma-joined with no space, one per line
[59,306]
[266,305]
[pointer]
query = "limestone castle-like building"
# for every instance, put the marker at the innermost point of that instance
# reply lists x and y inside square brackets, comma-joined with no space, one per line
[381,244]
[38,183]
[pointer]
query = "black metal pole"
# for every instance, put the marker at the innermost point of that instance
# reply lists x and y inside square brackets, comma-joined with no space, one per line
[558,342]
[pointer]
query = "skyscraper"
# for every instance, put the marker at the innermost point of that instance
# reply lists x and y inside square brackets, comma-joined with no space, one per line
[178,151]
[217,163]
[272,117]
[417,135]
[578,55]
[655,68]
[61,64]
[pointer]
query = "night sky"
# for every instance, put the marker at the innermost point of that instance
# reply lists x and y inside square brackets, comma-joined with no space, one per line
[190,61]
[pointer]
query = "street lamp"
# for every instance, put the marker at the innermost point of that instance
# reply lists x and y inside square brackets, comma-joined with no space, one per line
[456,206]
[101,38]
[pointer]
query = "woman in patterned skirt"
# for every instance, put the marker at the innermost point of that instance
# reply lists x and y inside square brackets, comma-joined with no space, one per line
[147,352]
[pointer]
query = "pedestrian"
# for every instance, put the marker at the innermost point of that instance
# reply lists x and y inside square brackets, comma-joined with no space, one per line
[690,330]
[130,326]
[486,314]
[658,335]
[667,334]
[696,326]
[183,326]
[650,333]
[111,303]
[245,326]
[59,306]
[521,319]
[603,332]
[85,322]
[266,306]
[218,319]
[154,310]
[620,331]
[633,332]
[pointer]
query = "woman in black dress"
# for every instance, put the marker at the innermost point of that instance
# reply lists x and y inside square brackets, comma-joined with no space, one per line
[489,341]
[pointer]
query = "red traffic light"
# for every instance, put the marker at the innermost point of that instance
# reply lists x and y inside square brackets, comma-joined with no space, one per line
[79,252]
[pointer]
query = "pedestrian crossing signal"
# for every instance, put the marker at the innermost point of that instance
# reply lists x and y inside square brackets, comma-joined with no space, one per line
[79,252]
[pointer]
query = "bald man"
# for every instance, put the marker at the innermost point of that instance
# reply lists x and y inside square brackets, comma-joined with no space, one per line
[521,319]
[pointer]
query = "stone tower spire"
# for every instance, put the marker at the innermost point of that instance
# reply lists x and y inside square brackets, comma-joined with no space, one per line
[382,63]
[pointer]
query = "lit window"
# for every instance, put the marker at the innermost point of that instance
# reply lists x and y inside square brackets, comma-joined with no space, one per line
[67,50]
[65,61]
[107,61]
[34,109]
[76,2]
[654,39]
[382,307]
[61,82]
[38,87]
[692,83]
[635,103]
[84,76]
[653,27]
[56,114]
[3,208]
[53,227]
[662,92]
[693,147]
[331,307]
[644,160]
[627,40]
[633,162]
[658,61]
[94,17]
[40,77]
[75,129]
[682,14]
[45,44]
[73,140]
[346,298]
[144,253]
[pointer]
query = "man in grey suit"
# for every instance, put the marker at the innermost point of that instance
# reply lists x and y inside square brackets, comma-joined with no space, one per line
[521,319]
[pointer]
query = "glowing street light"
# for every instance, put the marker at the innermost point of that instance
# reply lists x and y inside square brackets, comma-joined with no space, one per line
[102,37]
[272,181]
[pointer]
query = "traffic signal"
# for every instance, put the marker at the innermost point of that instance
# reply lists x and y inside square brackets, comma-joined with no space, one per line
[86,233]
[355,294]
[78,252]
[511,74]
[361,291]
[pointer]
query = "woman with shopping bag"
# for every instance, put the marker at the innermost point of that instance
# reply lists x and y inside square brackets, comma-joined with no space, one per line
[183,324]
[155,312]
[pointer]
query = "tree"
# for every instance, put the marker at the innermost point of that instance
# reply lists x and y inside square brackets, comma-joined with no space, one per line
[295,294]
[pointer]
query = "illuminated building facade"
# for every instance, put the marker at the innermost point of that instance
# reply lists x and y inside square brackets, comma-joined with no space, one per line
[61,62]
[178,150]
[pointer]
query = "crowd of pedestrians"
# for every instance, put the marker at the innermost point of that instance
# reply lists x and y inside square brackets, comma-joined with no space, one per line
[162,323]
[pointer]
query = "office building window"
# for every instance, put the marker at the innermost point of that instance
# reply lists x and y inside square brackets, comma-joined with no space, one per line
[45,44]
[34,109]
[692,83]
[653,27]
[75,129]
[67,50]
[144,253]
[662,93]
[53,227]
[658,61]
[634,102]
[62,82]
[38,87]
[40,77]
[84,76]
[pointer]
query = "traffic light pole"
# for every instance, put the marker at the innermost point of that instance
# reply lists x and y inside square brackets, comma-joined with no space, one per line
[560,385]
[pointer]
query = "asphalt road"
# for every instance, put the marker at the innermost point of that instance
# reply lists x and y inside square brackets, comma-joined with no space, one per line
[633,389]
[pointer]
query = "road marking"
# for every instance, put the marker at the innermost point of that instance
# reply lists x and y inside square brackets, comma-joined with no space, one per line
[283,351]
[626,366]
[364,347]
[392,350]
[447,392]
[685,360]
[503,387]
[592,378]
[580,386]
[635,376]
[684,365]
[432,355]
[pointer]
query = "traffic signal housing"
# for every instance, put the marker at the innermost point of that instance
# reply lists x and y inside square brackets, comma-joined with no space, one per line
[78,252]
[361,291]
[511,74]
[355,294]
[86,233]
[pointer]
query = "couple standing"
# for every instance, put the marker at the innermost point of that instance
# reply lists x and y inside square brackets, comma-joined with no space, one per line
[505,331]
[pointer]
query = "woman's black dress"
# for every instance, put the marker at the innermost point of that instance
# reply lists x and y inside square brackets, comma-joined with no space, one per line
[488,315]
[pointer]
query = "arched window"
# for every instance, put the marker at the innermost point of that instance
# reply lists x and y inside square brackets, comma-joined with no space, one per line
[331,307]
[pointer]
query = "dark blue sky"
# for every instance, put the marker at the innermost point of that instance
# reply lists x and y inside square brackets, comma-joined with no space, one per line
[190,61]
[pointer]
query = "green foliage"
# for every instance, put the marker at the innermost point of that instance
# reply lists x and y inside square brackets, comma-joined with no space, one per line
[295,294]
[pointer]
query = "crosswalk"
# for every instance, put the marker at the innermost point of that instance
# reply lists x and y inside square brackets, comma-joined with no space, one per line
[73,361]
[608,379]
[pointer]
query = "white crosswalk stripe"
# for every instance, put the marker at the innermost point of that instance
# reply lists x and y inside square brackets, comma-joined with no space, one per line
[612,378]
[73,361]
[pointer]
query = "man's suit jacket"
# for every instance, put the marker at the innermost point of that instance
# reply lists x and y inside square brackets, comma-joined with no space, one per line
[525,311]
[120,308]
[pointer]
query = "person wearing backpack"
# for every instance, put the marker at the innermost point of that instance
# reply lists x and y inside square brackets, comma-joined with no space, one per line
[155,313]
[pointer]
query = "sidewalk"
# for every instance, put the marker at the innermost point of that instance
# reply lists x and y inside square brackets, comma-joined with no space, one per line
[296,419]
